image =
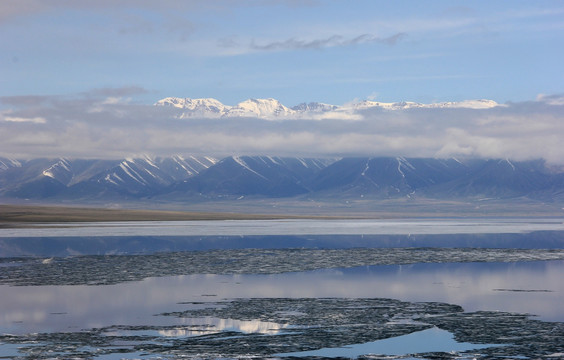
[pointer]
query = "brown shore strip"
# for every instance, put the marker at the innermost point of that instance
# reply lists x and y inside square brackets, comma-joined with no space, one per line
[19,215]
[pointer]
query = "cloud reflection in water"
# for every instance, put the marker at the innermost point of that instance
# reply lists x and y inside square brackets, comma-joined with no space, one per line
[474,286]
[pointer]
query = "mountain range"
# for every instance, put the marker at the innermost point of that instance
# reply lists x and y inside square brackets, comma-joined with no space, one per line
[273,109]
[182,178]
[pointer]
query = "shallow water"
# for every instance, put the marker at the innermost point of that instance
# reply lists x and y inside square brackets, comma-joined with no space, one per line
[524,287]
[424,341]
[173,316]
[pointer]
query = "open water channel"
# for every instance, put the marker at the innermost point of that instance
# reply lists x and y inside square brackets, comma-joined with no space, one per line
[426,288]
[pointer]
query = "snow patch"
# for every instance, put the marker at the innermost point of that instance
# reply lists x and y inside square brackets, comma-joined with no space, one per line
[48,174]
[129,170]
[511,164]
[150,161]
[53,169]
[205,166]
[273,160]
[302,161]
[241,162]
[363,173]
[180,161]
[403,162]
[150,173]
[108,178]
[211,160]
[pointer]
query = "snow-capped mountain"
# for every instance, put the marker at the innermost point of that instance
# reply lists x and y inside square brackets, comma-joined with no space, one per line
[144,175]
[469,104]
[403,105]
[60,171]
[315,107]
[196,107]
[180,167]
[264,108]
[274,109]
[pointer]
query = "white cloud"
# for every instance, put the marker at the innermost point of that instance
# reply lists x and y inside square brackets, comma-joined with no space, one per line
[551,99]
[68,127]
[34,120]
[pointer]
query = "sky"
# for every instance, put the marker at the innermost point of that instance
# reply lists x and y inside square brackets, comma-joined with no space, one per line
[79,78]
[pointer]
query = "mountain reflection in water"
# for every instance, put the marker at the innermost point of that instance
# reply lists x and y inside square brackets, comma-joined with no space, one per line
[163,311]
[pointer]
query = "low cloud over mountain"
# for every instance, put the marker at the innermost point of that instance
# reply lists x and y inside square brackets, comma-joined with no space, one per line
[103,126]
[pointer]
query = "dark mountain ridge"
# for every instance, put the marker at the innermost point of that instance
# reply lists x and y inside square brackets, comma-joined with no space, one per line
[179,178]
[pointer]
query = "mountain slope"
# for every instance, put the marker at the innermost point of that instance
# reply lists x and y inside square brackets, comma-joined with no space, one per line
[6,163]
[253,175]
[386,176]
[142,176]
[42,178]
[501,179]
[180,178]
[37,178]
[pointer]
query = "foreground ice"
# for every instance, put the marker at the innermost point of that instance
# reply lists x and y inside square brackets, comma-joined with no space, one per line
[114,269]
[309,325]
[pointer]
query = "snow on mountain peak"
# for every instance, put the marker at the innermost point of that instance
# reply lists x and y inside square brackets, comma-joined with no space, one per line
[475,104]
[205,107]
[60,171]
[172,101]
[271,108]
[403,105]
[314,107]
[260,108]
[366,104]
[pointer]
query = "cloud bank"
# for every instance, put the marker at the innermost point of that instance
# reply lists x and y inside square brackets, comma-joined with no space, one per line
[104,124]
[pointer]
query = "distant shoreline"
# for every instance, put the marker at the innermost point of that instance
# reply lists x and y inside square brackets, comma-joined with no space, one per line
[15,215]
[20,215]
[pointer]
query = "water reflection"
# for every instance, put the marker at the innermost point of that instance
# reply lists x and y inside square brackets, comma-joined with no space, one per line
[49,246]
[244,326]
[527,287]
[203,326]
[430,340]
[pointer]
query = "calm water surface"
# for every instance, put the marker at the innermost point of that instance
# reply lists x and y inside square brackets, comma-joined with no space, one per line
[523,287]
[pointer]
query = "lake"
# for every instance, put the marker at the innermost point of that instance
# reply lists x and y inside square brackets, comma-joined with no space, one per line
[421,288]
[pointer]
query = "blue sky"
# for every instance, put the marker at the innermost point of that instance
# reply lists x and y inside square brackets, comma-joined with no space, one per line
[79,78]
[295,51]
